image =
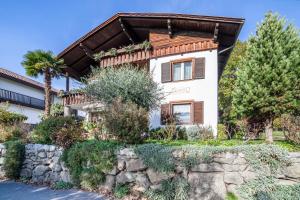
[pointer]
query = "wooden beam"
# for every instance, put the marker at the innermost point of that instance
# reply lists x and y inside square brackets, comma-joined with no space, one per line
[216,31]
[87,50]
[170,32]
[125,30]
[96,49]
[67,82]
[73,72]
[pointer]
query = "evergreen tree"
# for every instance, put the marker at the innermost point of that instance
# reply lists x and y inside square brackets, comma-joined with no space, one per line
[269,83]
[227,82]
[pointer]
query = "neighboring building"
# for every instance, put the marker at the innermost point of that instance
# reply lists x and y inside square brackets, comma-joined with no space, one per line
[187,57]
[24,95]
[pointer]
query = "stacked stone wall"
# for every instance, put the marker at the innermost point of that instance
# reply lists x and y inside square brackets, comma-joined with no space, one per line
[212,180]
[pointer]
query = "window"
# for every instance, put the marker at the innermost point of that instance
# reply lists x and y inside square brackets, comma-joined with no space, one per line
[177,72]
[182,113]
[182,71]
[187,70]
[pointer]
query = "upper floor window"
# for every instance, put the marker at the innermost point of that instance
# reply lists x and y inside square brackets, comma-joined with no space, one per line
[186,69]
[182,71]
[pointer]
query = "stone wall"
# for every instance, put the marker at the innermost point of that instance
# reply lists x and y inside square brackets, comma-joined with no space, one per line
[41,165]
[211,180]
[207,180]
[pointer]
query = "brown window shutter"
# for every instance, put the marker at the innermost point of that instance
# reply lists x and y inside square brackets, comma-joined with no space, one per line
[164,113]
[199,68]
[165,72]
[198,112]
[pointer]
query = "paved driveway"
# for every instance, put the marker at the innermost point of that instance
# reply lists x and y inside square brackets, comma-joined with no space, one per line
[10,190]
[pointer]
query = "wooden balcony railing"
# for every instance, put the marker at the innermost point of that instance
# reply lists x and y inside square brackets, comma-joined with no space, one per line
[122,57]
[76,99]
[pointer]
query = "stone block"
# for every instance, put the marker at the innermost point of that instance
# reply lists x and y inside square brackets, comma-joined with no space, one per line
[234,168]
[40,170]
[293,171]
[225,158]
[133,165]
[233,178]
[65,176]
[128,153]
[248,175]
[121,164]
[206,186]
[42,154]
[157,177]
[125,177]
[142,182]
[207,167]
[109,183]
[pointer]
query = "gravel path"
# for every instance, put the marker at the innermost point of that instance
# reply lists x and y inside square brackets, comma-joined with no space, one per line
[10,190]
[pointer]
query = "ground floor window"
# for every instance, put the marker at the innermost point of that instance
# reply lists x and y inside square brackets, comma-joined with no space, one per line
[182,112]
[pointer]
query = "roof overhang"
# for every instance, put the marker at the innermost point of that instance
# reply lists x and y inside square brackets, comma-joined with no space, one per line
[111,34]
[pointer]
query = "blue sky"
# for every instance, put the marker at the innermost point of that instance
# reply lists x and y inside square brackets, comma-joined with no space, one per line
[53,25]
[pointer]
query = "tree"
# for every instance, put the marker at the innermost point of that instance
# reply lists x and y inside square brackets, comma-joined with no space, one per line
[45,63]
[126,82]
[269,83]
[227,82]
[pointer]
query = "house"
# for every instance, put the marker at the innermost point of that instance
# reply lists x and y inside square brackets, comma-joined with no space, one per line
[24,95]
[187,56]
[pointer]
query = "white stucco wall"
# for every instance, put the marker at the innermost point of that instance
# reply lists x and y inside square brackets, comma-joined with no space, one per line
[32,113]
[198,90]
[20,88]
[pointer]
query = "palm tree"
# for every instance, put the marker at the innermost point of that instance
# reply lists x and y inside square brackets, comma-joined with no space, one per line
[45,63]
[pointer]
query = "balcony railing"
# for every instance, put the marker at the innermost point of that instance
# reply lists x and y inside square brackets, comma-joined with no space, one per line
[76,99]
[17,98]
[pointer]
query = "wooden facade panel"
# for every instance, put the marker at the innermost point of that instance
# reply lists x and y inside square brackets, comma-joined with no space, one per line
[198,112]
[162,39]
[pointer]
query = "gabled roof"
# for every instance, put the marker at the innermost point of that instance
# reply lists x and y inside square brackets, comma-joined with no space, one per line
[22,79]
[110,34]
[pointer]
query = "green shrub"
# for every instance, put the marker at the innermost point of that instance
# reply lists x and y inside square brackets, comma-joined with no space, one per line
[89,160]
[157,157]
[121,190]
[9,118]
[13,159]
[222,135]
[266,188]
[68,134]
[91,177]
[126,121]
[172,189]
[126,82]
[168,133]
[46,128]
[61,185]
[57,109]
[261,157]
[8,133]
[198,132]
[231,196]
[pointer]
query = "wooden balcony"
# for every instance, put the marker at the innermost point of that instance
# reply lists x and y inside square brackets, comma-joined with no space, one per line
[122,57]
[74,99]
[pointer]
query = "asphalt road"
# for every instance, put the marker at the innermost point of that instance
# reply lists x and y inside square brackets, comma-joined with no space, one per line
[10,190]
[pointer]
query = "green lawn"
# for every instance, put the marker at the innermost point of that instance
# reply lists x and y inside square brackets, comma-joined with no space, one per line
[234,142]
